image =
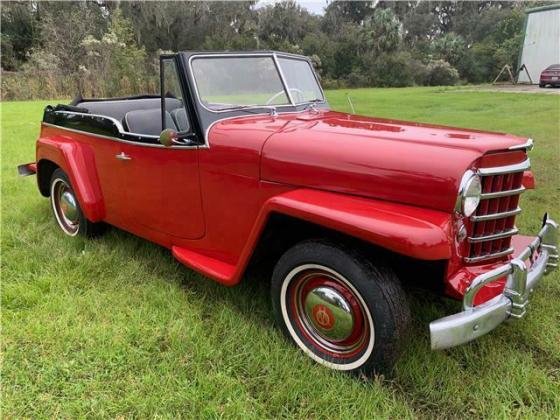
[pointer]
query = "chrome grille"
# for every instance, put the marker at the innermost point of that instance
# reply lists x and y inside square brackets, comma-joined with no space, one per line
[493,224]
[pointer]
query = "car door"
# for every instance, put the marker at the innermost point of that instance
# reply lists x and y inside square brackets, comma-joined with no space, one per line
[161,184]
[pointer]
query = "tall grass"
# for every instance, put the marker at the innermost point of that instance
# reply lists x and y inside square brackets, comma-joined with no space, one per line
[116,328]
[41,85]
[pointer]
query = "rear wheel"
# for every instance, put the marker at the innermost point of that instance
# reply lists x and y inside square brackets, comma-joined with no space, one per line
[339,308]
[66,208]
[541,85]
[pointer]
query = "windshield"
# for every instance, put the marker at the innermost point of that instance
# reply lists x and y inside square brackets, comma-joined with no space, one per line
[232,82]
[300,80]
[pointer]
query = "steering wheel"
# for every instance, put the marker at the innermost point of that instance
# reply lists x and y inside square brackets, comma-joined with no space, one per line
[276,95]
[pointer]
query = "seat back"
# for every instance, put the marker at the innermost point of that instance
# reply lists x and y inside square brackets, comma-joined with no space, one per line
[147,121]
[119,107]
[180,117]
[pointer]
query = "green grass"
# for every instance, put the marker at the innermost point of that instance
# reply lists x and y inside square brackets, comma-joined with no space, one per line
[115,327]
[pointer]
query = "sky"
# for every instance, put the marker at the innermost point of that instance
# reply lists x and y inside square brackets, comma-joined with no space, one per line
[313,6]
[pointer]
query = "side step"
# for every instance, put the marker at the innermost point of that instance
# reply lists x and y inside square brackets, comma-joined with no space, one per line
[211,267]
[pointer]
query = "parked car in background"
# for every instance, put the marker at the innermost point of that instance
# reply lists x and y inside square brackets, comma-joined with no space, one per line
[550,76]
[240,159]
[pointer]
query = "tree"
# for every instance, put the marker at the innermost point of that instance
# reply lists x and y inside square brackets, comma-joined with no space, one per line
[381,33]
[20,33]
[179,26]
[340,12]
[231,26]
[359,43]
[420,24]
[284,25]
[115,55]
[65,25]
[449,47]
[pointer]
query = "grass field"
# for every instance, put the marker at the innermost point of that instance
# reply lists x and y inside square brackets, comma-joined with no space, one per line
[115,327]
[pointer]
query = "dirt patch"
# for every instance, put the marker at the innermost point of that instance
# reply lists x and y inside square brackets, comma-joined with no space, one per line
[512,89]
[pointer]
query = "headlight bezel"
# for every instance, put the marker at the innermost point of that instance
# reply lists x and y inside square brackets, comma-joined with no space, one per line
[470,192]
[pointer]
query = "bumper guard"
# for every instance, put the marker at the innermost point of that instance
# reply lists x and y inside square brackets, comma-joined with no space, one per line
[476,321]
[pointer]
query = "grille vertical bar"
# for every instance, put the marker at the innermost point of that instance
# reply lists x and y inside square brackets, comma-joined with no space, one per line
[493,223]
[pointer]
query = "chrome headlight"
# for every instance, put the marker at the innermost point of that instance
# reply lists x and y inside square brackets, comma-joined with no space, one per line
[469,194]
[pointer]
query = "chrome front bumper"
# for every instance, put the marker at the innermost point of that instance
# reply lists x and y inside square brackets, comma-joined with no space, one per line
[475,321]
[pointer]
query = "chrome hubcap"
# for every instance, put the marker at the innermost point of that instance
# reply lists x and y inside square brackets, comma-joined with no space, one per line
[65,207]
[68,207]
[329,313]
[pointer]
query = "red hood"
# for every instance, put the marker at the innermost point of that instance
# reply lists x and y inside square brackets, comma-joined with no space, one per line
[398,161]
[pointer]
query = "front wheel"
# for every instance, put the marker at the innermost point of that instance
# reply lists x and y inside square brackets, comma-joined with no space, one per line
[342,310]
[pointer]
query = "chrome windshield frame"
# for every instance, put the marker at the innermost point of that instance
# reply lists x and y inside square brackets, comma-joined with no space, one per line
[313,72]
[282,79]
[274,56]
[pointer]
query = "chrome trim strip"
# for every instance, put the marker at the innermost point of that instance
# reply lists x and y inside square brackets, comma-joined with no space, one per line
[498,194]
[528,145]
[494,216]
[500,170]
[136,143]
[470,260]
[113,120]
[116,122]
[501,235]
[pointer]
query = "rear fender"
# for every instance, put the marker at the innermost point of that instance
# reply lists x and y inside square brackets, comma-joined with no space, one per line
[78,161]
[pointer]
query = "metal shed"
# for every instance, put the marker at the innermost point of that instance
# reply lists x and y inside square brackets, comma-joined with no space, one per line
[541,43]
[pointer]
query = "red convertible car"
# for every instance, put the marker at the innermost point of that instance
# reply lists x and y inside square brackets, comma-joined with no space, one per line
[550,76]
[240,160]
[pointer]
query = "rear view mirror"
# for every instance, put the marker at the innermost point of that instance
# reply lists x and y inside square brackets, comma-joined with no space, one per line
[168,137]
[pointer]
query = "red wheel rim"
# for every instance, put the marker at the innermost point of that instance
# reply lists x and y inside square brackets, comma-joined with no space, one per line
[328,313]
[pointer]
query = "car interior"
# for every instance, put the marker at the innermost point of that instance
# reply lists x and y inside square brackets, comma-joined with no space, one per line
[142,115]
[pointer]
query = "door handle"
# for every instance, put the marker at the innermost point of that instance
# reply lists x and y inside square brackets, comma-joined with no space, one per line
[123,156]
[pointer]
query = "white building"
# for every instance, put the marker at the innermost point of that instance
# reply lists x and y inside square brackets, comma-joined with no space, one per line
[541,45]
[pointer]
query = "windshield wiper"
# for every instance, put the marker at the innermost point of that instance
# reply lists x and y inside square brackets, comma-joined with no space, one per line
[311,105]
[250,108]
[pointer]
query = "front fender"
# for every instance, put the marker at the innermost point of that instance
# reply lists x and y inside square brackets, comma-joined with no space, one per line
[415,232]
[78,161]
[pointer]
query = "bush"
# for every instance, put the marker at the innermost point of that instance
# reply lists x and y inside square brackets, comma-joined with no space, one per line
[111,65]
[332,83]
[356,79]
[441,73]
[37,85]
[393,70]
[419,71]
